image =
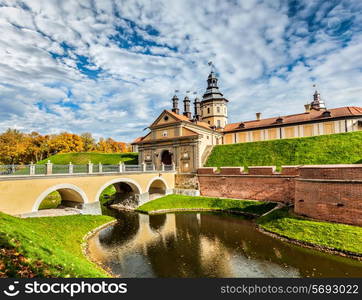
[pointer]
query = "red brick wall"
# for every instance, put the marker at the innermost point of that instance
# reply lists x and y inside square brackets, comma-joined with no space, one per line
[233,183]
[327,192]
[330,193]
[347,172]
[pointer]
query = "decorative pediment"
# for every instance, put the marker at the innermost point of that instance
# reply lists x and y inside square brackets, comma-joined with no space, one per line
[165,117]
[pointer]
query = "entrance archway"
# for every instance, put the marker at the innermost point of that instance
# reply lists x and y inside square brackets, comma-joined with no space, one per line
[166,157]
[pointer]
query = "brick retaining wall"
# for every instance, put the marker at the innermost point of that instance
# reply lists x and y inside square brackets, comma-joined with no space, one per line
[332,193]
[260,183]
[325,192]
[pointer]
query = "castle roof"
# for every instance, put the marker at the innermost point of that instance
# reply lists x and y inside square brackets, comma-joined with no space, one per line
[312,115]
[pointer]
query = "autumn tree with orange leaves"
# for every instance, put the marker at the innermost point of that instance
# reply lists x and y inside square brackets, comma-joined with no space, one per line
[17,147]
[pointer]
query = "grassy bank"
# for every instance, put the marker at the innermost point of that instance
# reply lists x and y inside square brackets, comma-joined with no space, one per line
[47,247]
[175,202]
[83,158]
[343,148]
[332,235]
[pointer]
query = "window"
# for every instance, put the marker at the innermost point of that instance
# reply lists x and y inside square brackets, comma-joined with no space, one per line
[289,132]
[164,133]
[208,110]
[307,130]
[328,128]
[256,136]
[218,123]
[272,134]
[209,122]
[218,109]
[165,118]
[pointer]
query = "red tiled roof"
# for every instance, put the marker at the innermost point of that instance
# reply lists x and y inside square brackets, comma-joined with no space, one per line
[313,115]
[177,116]
[186,119]
[136,140]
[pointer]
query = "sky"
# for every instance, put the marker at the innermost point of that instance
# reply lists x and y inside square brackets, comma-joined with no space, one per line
[111,67]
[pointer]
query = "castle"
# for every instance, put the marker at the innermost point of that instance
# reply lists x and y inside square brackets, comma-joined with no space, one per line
[186,140]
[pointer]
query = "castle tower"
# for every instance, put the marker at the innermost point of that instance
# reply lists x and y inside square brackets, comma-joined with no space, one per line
[187,111]
[317,102]
[175,105]
[213,104]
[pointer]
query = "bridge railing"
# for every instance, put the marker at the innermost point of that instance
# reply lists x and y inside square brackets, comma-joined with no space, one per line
[90,168]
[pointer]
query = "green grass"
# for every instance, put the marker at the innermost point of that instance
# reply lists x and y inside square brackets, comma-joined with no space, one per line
[343,148]
[51,201]
[190,202]
[83,158]
[332,235]
[48,247]
[110,190]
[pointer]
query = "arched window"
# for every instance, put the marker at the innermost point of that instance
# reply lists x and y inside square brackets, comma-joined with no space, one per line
[208,110]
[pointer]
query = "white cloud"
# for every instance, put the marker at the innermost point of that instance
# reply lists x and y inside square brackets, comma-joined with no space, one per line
[267,57]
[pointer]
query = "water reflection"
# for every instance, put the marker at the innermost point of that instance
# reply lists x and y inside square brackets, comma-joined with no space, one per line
[207,245]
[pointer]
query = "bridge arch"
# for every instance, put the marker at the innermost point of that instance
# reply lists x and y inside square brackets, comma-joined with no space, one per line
[67,191]
[157,187]
[123,185]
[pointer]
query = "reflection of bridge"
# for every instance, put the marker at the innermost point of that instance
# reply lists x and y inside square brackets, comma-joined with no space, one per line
[22,194]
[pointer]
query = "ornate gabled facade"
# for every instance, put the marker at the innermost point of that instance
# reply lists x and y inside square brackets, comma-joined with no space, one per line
[176,139]
[186,140]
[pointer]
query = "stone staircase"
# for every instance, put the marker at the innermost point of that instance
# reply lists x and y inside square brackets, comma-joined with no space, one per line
[206,154]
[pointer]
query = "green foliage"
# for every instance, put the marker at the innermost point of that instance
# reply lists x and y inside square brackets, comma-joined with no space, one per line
[50,247]
[83,158]
[342,148]
[180,201]
[333,235]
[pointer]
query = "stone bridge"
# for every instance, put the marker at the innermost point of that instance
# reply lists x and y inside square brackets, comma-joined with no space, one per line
[23,194]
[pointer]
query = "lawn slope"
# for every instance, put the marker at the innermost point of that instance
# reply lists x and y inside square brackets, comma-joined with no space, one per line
[343,148]
[337,236]
[47,247]
[83,158]
[177,202]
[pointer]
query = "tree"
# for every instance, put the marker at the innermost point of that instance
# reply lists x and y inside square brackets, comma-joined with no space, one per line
[89,143]
[12,146]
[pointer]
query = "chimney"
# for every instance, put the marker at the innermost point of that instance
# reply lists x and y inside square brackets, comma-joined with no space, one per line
[307,108]
[175,105]
[258,116]
[187,111]
[197,107]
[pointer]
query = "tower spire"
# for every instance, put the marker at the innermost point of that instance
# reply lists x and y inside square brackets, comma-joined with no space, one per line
[317,103]
[214,105]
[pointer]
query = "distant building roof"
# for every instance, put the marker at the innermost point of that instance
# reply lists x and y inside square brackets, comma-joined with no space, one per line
[312,115]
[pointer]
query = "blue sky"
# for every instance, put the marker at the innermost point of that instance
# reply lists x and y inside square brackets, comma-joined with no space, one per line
[110,67]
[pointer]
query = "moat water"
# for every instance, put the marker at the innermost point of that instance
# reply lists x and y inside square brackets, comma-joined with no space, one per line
[207,245]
